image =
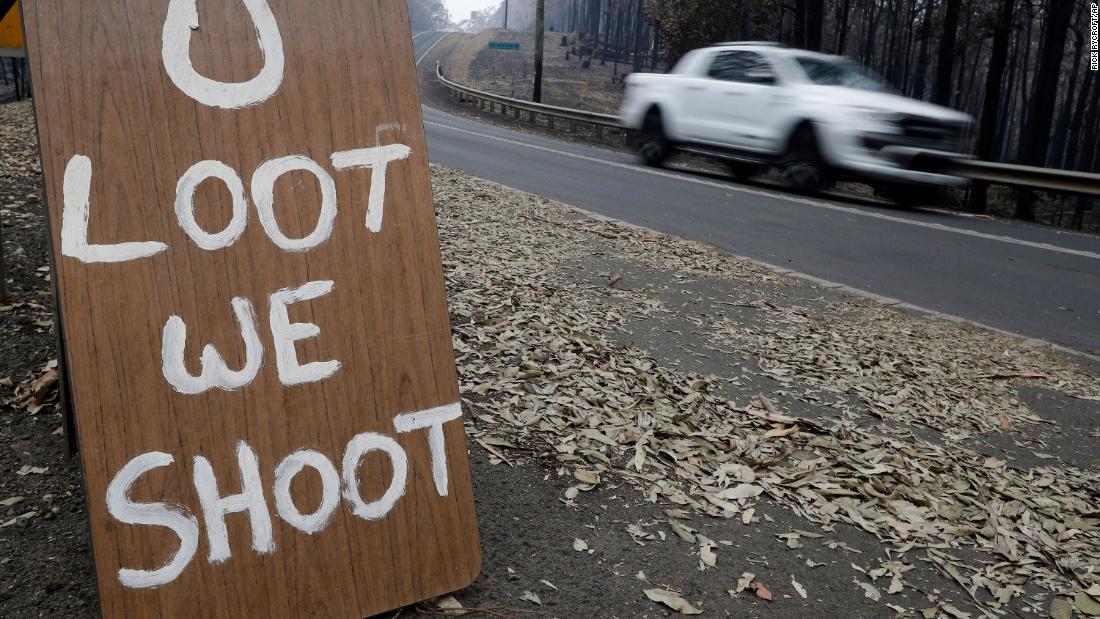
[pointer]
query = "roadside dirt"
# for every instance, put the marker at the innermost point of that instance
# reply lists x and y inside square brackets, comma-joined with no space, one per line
[45,560]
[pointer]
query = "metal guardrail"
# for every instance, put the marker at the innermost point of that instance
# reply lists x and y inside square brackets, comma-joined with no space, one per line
[1012,175]
[516,105]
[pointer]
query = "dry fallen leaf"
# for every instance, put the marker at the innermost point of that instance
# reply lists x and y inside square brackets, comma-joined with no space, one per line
[1061,608]
[672,600]
[20,519]
[448,603]
[798,587]
[761,591]
[531,597]
[741,491]
[869,590]
[707,557]
[542,353]
[1088,606]
[586,477]
[580,545]
[682,531]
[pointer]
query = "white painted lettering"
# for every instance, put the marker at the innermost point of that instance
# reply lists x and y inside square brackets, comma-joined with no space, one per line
[360,446]
[214,371]
[263,193]
[433,419]
[378,160]
[74,222]
[285,333]
[185,206]
[251,499]
[184,525]
[182,19]
[330,490]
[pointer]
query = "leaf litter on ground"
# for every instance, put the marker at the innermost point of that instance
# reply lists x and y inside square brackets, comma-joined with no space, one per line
[538,347]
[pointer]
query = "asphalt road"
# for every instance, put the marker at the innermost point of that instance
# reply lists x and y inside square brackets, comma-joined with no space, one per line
[1021,278]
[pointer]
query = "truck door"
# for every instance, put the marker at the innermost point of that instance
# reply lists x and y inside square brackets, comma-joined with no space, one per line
[735,106]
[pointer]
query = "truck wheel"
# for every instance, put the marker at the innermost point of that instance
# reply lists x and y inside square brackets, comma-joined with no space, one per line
[652,143]
[802,167]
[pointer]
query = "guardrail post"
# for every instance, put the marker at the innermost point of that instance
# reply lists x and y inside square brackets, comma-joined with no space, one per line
[572,126]
[515,113]
[599,131]
[531,117]
[550,123]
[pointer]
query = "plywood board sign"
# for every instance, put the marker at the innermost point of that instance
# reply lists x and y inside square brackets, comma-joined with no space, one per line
[252,296]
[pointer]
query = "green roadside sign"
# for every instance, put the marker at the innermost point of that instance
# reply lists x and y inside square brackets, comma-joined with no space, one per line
[503,45]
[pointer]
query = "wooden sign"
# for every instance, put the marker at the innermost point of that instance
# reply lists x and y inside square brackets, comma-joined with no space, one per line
[252,296]
[11,30]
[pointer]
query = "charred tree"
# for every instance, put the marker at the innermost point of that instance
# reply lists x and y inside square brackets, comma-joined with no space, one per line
[945,59]
[1034,140]
[988,121]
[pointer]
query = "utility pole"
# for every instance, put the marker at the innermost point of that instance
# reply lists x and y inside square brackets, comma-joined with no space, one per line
[540,13]
[505,14]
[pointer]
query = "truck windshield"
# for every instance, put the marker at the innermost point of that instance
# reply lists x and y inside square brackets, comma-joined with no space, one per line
[840,73]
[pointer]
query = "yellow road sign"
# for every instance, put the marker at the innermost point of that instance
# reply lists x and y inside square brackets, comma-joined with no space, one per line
[11,29]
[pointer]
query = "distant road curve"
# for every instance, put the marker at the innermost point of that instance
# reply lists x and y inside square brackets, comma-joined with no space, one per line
[1025,279]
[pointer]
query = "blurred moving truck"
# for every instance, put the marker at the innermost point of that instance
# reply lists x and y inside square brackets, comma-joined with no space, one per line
[817,118]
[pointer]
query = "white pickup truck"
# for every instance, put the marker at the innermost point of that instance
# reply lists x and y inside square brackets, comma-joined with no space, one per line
[818,118]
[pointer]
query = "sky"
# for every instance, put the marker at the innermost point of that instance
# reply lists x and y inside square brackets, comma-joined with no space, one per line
[460,9]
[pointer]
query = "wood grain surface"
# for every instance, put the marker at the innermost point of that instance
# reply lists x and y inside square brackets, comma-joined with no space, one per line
[101,91]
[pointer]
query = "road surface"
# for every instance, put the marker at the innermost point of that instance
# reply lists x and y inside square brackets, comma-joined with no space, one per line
[1029,280]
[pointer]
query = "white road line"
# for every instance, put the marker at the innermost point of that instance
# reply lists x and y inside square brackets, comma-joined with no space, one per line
[759,192]
[420,34]
[431,47]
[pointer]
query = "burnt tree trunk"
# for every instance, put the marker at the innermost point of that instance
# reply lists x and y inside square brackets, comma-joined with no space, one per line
[1034,141]
[988,123]
[945,59]
[844,8]
[815,18]
[800,23]
[920,75]
[1056,157]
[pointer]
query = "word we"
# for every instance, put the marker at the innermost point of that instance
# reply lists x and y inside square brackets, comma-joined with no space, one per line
[77,211]
[215,373]
[252,498]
